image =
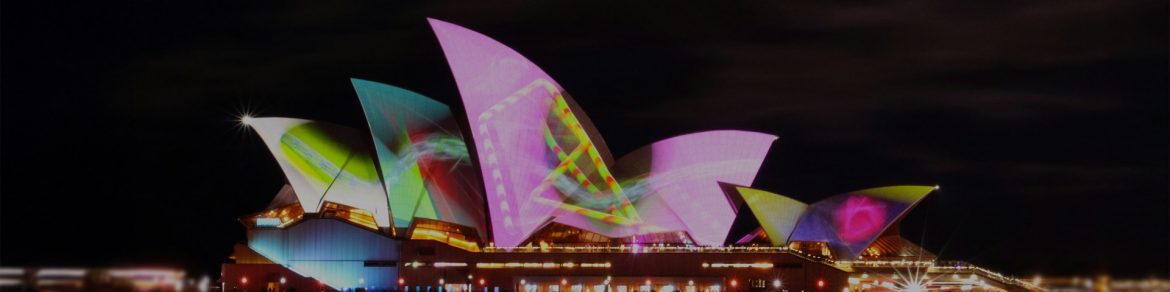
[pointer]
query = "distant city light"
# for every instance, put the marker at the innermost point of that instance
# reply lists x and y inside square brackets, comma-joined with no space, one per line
[61,273]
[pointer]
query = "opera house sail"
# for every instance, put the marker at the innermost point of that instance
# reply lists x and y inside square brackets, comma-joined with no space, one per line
[522,194]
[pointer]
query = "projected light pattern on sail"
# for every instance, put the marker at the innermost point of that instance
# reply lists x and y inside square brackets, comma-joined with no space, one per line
[542,160]
[425,164]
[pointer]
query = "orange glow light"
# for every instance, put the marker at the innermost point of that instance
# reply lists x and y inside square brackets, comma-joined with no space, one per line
[820,283]
[734,283]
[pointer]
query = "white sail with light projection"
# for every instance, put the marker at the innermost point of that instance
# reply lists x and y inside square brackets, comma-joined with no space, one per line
[325,163]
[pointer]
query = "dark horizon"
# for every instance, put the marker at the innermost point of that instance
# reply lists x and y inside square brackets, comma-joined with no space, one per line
[1045,124]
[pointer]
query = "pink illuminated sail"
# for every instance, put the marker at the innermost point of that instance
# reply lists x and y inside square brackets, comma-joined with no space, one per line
[509,103]
[541,158]
[685,171]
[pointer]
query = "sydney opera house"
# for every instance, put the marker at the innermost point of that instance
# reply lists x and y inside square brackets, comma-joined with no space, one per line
[537,202]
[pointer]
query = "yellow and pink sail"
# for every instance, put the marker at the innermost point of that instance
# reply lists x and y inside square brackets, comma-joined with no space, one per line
[848,222]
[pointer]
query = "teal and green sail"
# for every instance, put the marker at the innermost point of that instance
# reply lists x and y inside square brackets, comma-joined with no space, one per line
[422,156]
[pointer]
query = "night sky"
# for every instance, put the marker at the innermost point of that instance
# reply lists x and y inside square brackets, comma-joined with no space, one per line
[1045,122]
